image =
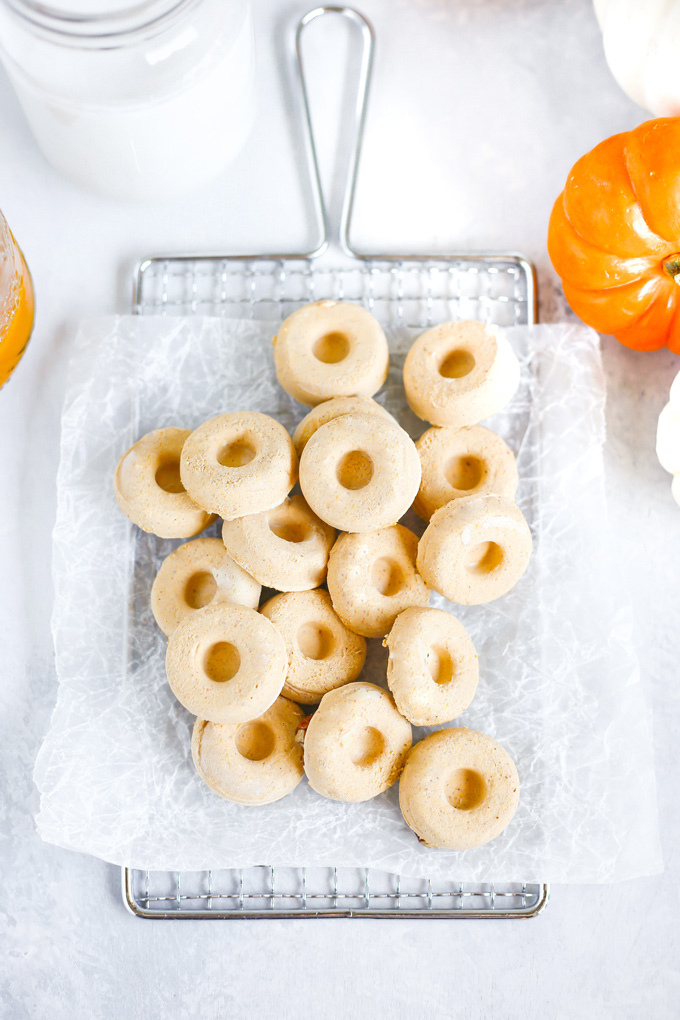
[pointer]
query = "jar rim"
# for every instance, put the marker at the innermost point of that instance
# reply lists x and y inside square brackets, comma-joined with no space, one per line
[109,26]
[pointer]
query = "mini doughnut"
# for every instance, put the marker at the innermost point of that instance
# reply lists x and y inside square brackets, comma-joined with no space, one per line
[432,668]
[330,349]
[256,762]
[322,653]
[455,463]
[149,490]
[459,789]
[331,409]
[239,463]
[356,743]
[459,373]
[373,577]
[195,575]
[226,663]
[474,550]
[285,548]
[360,472]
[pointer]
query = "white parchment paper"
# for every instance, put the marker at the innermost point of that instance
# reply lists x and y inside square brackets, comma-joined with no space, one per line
[559,685]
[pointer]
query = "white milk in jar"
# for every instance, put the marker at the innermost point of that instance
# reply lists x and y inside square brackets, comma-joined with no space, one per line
[134,101]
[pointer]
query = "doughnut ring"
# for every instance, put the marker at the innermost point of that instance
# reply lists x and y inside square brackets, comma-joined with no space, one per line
[195,575]
[474,550]
[330,349]
[459,789]
[256,762]
[432,668]
[322,653]
[149,490]
[285,548]
[226,663]
[471,461]
[331,409]
[356,743]
[239,463]
[459,373]
[360,472]
[373,577]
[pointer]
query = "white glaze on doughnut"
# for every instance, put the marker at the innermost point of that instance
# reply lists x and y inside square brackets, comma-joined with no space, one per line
[331,409]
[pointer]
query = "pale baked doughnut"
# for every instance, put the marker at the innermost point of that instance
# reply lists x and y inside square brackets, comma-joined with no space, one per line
[149,490]
[331,409]
[373,577]
[238,464]
[226,663]
[471,461]
[360,472]
[195,575]
[459,789]
[322,653]
[432,668]
[356,743]
[255,762]
[285,548]
[474,550]
[459,373]
[330,349]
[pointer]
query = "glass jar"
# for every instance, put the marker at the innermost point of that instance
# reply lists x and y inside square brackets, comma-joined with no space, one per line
[16,303]
[135,100]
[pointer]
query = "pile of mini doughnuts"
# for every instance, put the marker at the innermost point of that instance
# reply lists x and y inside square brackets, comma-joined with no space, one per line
[245,670]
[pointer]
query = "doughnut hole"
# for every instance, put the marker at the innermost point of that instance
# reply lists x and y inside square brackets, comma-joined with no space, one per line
[354,470]
[457,364]
[222,662]
[387,576]
[367,746]
[465,789]
[289,529]
[439,664]
[238,453]
[484,558]
[167,476]
[255,741]
[464,472]
[331,348]
[199,591]
[315,641]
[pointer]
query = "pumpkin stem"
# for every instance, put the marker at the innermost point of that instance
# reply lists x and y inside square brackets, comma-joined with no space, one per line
[672,266]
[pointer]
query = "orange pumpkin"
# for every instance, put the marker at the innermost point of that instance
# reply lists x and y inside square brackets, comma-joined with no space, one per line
[614,236]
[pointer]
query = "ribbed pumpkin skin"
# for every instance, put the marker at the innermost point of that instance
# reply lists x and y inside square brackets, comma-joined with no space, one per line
[614,236]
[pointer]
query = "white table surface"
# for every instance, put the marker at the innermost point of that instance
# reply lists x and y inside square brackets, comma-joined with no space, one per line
[480,108]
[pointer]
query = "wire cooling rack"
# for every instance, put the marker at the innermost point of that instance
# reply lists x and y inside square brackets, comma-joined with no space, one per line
[408,290]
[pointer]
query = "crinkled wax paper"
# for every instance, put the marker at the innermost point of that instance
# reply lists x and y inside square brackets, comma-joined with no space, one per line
[559,679]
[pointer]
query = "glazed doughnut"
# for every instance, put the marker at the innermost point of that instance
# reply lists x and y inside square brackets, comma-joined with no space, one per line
[330,349]
[459,373]
[238,464]
[195,575]
[331,409]
[285,548]
[459,789]
[474,550]
[360,472]
[471,461]
[226,663]
[373,577]
[256,762]
[432,668]
[149,490]
[322,653]
[356,743]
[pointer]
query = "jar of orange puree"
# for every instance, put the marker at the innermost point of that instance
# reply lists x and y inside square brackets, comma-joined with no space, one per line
[16,302]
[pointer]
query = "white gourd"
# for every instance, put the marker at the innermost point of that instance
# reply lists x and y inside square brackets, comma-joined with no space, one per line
[668,437]
[642,46]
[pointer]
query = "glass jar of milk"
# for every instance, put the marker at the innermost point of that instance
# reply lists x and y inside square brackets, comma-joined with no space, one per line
[136,100]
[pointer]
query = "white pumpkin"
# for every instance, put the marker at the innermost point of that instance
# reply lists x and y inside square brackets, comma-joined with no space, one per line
[668,437]
[642,47]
